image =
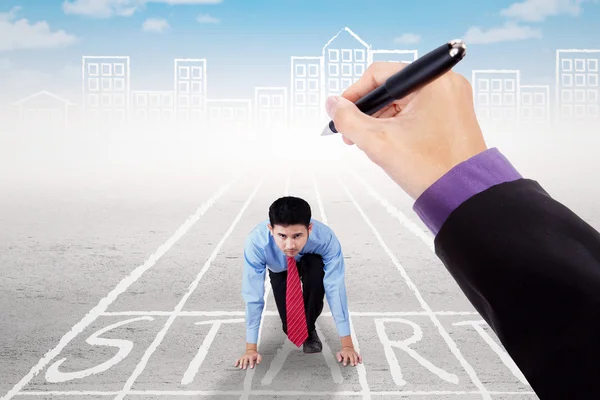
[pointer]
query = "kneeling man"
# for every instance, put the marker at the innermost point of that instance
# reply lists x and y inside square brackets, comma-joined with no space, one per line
[305,263]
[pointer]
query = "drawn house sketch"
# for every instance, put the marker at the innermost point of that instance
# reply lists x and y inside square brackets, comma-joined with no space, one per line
[189,88]
[496,95]
[44,110]
[535,103]
[106,85]
[343,60]
[152,106]
[576,93]
[346,56]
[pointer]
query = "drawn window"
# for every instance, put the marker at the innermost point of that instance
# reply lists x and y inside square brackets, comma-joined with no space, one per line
[540,99]
[196,72]
[496,85]
[184,72]
[334,69]
[484,85]
[119,69]
[334,55]
[106,69]
[359,55]
[567,80]
[346,55]
[93,69]
[300,70]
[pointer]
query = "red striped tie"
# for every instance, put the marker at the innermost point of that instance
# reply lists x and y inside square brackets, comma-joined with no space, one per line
[297,330]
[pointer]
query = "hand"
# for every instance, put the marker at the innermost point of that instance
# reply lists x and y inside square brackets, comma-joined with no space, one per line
[347,354]
[249,357]
[415,140]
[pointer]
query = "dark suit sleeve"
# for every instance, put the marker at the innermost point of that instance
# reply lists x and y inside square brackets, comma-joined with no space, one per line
[531,268]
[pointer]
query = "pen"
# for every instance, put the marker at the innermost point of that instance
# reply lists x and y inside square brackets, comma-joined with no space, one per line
[409,79]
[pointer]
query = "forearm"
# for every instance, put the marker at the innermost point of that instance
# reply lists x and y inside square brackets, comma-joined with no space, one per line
[531,268]
[336,297]
[254,312]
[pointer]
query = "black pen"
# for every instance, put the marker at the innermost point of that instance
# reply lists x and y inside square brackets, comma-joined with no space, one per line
[409,79]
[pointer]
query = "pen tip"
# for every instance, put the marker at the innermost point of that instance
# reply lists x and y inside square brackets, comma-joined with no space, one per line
[327,131]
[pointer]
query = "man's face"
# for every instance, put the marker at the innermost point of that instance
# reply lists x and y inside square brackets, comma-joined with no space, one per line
[290,239]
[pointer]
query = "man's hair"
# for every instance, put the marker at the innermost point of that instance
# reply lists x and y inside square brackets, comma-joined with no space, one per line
[289,210]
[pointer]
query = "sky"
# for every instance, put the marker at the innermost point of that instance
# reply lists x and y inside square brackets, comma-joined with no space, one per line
[248,43]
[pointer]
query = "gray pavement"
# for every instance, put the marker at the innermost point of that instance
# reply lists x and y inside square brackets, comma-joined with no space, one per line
[128,285]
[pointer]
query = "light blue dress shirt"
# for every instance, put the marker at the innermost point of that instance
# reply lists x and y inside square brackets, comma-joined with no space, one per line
[261,252]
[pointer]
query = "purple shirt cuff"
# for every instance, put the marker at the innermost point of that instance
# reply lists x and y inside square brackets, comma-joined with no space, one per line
[465,180]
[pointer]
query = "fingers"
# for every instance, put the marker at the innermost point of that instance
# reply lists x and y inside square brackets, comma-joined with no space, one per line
[373,77]
[246,361]
[353,358]
[353,124]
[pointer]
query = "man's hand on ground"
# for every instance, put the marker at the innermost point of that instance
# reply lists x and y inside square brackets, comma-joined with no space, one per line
[349,355]
[249,358]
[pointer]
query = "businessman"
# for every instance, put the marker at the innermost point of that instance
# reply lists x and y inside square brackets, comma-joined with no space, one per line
[529,265]
[305,263]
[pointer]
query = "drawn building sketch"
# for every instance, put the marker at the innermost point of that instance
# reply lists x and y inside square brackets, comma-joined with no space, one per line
[305,89]
[535,103]
[225,114]
[44,110]
[343,60]
[576,93]
[106,88]
[152,106]
[496,95]
[270,107]
[346,57]
[190,90]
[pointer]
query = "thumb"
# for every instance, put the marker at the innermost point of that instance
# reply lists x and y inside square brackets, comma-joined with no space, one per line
[352,123]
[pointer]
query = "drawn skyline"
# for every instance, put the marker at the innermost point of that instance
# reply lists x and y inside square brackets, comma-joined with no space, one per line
[258,46]
[499,95]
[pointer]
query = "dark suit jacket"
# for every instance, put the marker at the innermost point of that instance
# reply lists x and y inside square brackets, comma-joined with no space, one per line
[531,268]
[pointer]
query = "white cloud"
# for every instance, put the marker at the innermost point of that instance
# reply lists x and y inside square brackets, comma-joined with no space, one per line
[524,11]
[120,8]
[155,25]
[18,34]
[509,32]
[408,38]
[539,10]
[207,19]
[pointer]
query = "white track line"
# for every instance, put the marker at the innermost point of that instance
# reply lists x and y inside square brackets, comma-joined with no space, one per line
[360,368]
[282,393]
[393,211]
[275,314]
[159,337]
[120,288]
[251,371]
[453,348]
